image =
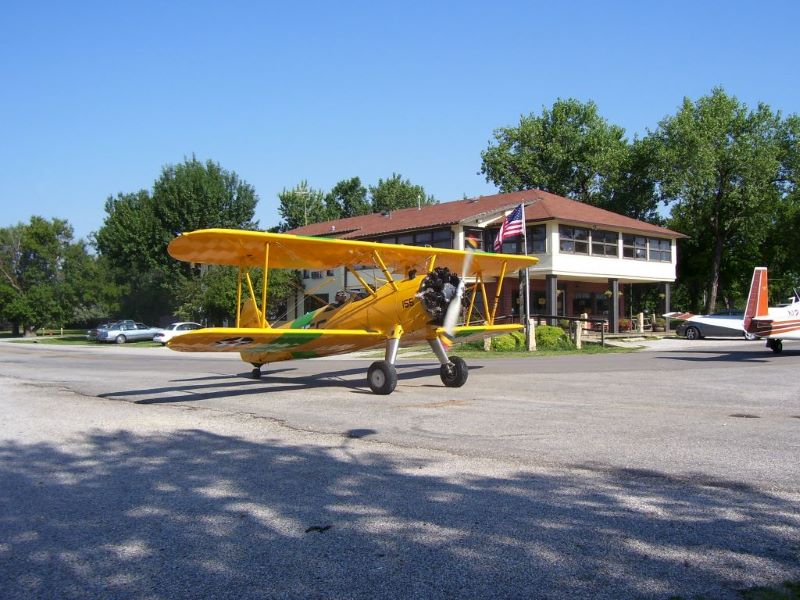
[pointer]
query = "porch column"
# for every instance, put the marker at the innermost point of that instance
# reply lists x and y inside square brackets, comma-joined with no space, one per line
[613,312]
[551,296]
[667,303]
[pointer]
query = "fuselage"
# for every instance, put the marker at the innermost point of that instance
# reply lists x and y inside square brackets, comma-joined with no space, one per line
[379,312]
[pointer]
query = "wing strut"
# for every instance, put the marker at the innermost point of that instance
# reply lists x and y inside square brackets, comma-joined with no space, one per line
[367,288]
[499,289]
[472,302]
[386,272]
[489,317]
[264,288]
[239,298]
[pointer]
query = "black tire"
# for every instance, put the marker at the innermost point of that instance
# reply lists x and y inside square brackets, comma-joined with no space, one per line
[256,373]
[120,339]
[775,345]
[692,333]
[382,377]
[455,373]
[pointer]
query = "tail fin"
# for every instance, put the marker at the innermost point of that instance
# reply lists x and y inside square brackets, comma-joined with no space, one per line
[757,302]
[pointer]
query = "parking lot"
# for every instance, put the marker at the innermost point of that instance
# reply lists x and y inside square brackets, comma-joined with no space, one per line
[140,472]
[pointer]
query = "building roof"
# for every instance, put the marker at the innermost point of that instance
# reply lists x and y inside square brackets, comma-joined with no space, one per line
[539,206]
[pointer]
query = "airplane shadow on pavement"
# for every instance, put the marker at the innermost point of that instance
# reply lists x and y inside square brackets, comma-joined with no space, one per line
[749,356]
[272,381]
[189,513]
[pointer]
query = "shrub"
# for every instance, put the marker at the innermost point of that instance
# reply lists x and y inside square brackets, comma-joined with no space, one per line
[507,343]
[552,338]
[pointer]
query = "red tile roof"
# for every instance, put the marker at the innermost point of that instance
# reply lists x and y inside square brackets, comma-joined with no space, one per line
[540,206]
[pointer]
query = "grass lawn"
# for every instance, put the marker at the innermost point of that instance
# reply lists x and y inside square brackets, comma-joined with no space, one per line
[78,339]
[467,351]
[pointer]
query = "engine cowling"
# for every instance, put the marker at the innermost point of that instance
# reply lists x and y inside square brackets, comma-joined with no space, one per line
[436,291]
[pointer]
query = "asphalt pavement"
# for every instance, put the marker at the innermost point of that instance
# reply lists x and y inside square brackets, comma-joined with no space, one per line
[131,472]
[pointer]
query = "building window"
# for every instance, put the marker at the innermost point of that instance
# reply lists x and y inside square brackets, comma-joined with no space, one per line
[642,248]
[634,246]
[314,302]
[573,240]
[581,303]
[605,243]
[442,238]
[437,238]
[535,234]
[473,238]
[537,239]
[660,249]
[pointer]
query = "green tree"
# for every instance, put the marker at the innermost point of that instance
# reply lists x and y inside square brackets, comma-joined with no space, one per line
[138,227]
[348,198]
[395,193]
[569,150]
[212,296]
[722,167]
[41,269]
[195,195]
[302,206]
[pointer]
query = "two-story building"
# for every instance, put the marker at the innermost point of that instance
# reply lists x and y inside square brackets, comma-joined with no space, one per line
[586,254]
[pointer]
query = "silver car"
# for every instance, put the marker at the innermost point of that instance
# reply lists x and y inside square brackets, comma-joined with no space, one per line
[126,331]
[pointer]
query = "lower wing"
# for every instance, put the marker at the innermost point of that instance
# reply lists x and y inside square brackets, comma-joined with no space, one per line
[469,333]
[231,339]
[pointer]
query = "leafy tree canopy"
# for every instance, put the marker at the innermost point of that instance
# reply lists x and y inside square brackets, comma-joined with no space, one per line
[348,198]
[395,193]
[725,171]
[138,227]
[571,151]
[45,277]
[302,205]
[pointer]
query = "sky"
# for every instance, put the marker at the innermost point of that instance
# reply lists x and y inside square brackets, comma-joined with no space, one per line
[97,97]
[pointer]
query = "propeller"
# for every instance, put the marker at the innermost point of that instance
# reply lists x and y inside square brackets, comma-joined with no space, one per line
[453,309]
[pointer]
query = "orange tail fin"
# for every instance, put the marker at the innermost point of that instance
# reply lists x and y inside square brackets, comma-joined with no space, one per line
[757,302]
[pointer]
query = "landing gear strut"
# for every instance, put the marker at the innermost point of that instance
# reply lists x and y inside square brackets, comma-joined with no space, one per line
[256,372]
[454,370]
[382,375]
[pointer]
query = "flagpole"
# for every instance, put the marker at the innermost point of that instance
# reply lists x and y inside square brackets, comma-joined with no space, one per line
[527,312]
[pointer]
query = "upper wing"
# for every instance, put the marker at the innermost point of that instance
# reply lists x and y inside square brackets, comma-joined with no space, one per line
[247,249]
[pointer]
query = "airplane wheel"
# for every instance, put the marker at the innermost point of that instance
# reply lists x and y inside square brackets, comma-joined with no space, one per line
[693,333]
[382,377]
[256,373]
[121,339]
[455,373]
[775,345]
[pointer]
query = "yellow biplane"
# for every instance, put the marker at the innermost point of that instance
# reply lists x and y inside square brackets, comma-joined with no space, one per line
[420,299]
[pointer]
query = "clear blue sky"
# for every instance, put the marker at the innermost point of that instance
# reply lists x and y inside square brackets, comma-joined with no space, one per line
[98,96]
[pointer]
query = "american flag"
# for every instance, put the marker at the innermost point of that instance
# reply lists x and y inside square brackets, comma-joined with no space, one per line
[512,225]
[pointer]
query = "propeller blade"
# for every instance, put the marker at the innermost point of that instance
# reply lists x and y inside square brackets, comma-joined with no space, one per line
[453,309]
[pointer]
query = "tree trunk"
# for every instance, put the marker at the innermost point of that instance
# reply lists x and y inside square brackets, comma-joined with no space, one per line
[716,265]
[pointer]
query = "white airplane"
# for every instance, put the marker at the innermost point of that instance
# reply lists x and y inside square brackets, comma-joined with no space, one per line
[725,323]
[772,324]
